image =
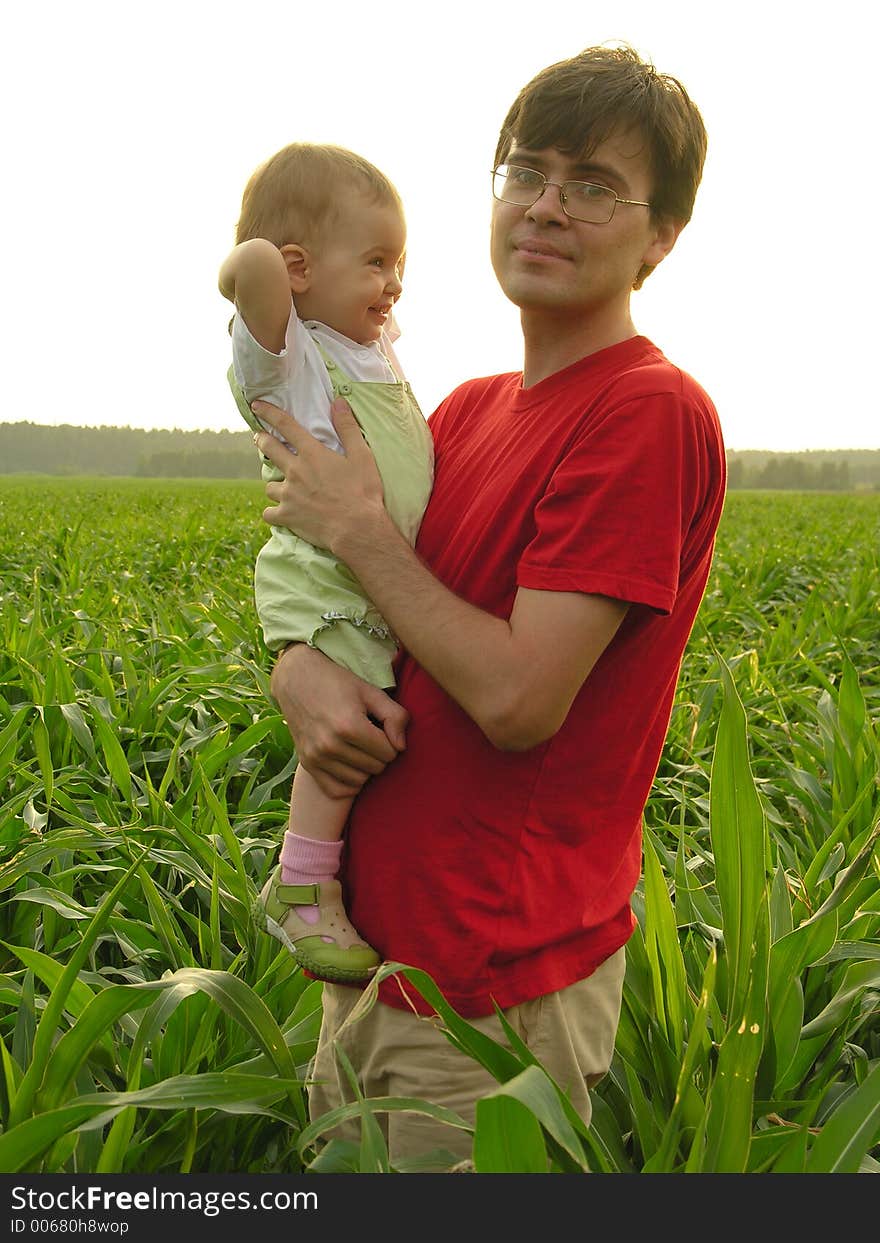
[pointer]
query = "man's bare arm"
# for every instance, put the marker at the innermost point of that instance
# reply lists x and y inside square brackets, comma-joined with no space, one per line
[517,677]
[344,729]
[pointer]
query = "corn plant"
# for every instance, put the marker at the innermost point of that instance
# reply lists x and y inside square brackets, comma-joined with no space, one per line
[147,1026]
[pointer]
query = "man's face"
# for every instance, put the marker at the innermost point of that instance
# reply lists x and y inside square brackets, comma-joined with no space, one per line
[545,261]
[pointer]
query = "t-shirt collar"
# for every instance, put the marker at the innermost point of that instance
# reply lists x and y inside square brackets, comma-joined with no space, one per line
[589,369]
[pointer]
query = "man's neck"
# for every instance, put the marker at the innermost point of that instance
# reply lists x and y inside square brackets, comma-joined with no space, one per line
[553,341]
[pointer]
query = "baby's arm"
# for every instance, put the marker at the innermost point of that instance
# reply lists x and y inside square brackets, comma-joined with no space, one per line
[254,277]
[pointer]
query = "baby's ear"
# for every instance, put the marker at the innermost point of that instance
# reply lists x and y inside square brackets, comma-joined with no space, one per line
[299,266]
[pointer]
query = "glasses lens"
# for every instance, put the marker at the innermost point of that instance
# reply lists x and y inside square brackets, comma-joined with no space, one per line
[585,201]
[512,184]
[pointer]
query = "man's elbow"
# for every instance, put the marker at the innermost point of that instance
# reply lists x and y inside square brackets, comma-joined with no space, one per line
[520,727]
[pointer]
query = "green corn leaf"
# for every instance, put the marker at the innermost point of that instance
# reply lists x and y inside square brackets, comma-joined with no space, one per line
[111,1157]
[73,715]
[573,1123]
[54,900]
[12,1075]
[809,943]
[738,833]
[242,1004]
[850,1132]
[500,1062]
[23,1144]
[508,1138]
[50,972]
[851,710]
[221,821]
[115,757]
[178,953]
[9,735]
[48,1025]
[373,1152]
[857,978]
[664,952]
[378,1104]
[664,1159]
[338,1156]
[731,1095]
[74,1046]
[36,857]
[792,1157]
[647,1119]
[44,754]
[535,1090]
[214,916]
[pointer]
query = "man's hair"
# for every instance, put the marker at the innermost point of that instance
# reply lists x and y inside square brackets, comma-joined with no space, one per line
[575,105]
[297,195]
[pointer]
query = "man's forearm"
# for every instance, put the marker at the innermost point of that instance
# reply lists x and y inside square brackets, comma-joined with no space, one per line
[468,652]
[344,729]
[517,677]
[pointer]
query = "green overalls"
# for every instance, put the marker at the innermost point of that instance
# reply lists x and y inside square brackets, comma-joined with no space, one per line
[304,593]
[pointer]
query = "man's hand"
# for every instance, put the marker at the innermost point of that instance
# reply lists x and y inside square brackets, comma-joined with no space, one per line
[515,677]
[328,711]
[323,494]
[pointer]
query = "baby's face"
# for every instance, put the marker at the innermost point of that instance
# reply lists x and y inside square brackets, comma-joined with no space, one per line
[356,273]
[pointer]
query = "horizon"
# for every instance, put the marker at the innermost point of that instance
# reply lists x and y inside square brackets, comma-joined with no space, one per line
[243,431]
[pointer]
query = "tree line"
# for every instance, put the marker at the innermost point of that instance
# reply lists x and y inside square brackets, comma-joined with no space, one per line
[30,448]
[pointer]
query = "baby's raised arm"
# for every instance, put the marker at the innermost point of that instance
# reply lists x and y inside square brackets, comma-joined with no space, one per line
[254,276]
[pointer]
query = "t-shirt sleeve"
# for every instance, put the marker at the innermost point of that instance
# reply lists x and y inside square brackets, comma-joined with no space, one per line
[615,516]
[260,373]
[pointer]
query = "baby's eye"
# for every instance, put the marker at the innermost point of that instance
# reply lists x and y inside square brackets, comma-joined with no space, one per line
[378,263]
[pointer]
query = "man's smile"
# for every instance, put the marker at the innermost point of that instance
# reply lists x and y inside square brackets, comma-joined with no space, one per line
[536,247]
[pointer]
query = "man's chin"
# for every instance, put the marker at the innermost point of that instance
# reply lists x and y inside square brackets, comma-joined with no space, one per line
[531,299]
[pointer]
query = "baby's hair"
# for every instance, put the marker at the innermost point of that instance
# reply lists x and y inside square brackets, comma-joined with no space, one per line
[296,195]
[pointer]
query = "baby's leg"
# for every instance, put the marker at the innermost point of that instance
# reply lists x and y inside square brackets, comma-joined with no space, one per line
[301,902]
[313,842]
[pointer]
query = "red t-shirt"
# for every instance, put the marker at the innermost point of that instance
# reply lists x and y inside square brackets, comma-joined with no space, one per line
[508,875]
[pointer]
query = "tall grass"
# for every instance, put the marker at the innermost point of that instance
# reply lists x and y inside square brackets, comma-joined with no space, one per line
[147,1026]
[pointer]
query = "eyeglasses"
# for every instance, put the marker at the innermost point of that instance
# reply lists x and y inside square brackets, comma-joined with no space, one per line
[581,200]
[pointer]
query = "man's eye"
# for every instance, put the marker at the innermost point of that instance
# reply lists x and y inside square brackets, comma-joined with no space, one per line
[524,176]
[586,190]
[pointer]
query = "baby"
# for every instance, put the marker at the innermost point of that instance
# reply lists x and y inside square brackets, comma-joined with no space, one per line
[314,276]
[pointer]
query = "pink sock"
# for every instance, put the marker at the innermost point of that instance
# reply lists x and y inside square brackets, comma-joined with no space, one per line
[308,861]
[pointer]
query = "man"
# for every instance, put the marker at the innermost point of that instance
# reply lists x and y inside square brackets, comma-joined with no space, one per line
[543,616]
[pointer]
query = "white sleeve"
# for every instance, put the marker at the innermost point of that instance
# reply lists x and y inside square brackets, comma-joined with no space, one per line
[258,371]
[296,380]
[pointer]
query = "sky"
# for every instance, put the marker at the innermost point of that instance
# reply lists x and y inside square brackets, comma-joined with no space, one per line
[130,131]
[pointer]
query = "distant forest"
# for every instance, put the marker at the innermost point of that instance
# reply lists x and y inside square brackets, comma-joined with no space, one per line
[29,448]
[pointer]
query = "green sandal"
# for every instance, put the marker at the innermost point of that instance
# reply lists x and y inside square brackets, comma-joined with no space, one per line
[348,960]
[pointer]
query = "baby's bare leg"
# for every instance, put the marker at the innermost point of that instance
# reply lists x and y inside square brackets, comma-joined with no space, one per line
[313,841]
[313,813]
[319,936]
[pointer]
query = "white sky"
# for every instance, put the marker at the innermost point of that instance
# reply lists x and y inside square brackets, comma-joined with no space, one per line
[130,130]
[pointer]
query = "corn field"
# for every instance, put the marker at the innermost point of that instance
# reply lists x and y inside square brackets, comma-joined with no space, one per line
[147,1026]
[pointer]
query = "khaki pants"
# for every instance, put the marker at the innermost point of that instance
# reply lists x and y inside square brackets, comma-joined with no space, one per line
[398,1053]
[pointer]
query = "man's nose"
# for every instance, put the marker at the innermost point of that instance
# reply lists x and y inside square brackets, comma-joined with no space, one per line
[549,205]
